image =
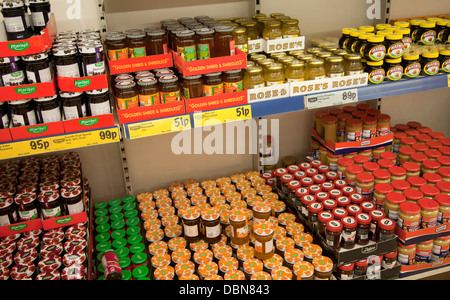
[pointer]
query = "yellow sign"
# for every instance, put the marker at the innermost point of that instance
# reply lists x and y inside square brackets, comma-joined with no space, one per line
[58,143]
[448,80]
[157,127]
[214,117]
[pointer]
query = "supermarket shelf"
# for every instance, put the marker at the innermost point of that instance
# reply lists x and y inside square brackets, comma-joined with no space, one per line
[425,274]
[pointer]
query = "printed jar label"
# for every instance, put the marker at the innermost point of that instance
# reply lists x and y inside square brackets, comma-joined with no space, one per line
[271,83]
[45,75]
[68,70]
[95,69]
[187,53]
[98,109]
[257,86]
[354,136]
[28,215]
[408,226]
[367,193]
[407,42]
[233,87]
[336,75]
[118,54]
[405,259]
[169,97]
[125,103]
[377,53]
[13,79]
[428,37]
[446,66]
[51,213]
[369,133]
[395,73]
[432,68]
[38,19]
[395,50]
[412,70]
[382,131]
[190,231]
[211,90]
[423,256]
[24,120]
[212,232]
[49,116]
[148,100]
[14,24]
[75,208]
[137,52]
[204,51]
[74,112]
[377,76]
[439,252]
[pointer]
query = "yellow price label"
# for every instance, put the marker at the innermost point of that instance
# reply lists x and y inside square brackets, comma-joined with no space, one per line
[157,127]
[25,148]
[448,80]
[214,117]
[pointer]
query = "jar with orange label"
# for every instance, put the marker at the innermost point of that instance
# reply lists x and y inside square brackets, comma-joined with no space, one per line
[233,81]
[239,227]
[211,225]
[323,268]
[303,270]
[169,89]
[116,46]
[212,84]
[406,254]
[263,232]
[126,94]
[148,91]
[429,211]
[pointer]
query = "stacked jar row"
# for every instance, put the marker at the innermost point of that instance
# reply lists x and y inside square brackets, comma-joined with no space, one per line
[234,228]
[56,254]
[118,227]
[46,187]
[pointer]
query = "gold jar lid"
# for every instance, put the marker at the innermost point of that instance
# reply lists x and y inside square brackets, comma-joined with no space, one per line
[335,59]
[254,70]
[296,52]
[352,56]
[340,52]
[272,23]
[257,57]
[315,61]
[274,66]
[277,55]
[274,15]
[290,21]
[286,59]
[323,54]
[296,64]
[266,62]
[313,50]
[240,30]
[305,57]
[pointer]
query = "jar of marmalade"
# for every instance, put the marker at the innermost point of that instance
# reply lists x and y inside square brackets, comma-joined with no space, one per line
[157,42]
[334,66]
[232,81]
[169,90]
[290,28]
[116,45]
[224,41]
[137,44]
[274,74]
[295,71]
[185,45]
[375,49]
[192,87]
[205,43]
[253,78]
[213,84]
[315,69]
[429,61]
[148,92]
[126,94]
[410,64]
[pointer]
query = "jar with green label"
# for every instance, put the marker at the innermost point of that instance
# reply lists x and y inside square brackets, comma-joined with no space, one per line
[233,81]
[185,45]
[205,43]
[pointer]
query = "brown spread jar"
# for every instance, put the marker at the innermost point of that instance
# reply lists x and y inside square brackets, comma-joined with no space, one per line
[126,94]
[148,92]
[264,246]
[169,90]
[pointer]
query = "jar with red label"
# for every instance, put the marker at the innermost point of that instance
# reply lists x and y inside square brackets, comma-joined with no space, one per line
[429,211]
[349,232]
[363,228]
[333,234]
[324,217]
[313,213]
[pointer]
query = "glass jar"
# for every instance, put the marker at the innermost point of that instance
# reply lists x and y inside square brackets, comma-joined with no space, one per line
[394,46]
[252,29]
[26,206]
[376,71]
[323,267]
[365,185]
[406,254]
[274,74]
[429,211]
[290,28]
[334,66]
[116,45]
[383,125]
[426,35]
[239,227]
[352,40]
[375,49]
[66,61]
[40,14]
[315,69]
[97,102]
[353,65]
[11,73]
[263,233]
[349,232]
[343,40]
[37,68]
[363,228]
[361,43]
[14,17]
[333,234]
[253,78]
[48,109]
[157,42]
[205,43]
[353,130]
[444,208]
[440,248]
[22,113]
[392,204]
[330,126]
[50,204]
[411,65]
[409,217]
[126,94]
[169,89]
[406,38]
[272,30]
[212,84]
[185,45]
[193,87]
[224,41]
[393,69]
[241,38]
[429,60]
[137,44]
[148,92]
[211,225]
[92,62]
[8,214]
[369,127]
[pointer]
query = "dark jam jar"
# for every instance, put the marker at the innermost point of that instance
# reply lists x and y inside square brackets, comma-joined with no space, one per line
[205,43]
[224,41]
[97,102]
[169,89]
[444,60]
[26,206]
[73,105]
[157,42]
[415,26]
[92,59]
[406,38]
[185,45]
[4,116]
[375,71]
[66,61]
[116,45]
[411,65]
[393,69]
[11,73]
[137,44]
[8,214]
[333,234]
[192,87]
[233,81]
[212,84]
[353,39]
[429,60]
[22,113]
[375,49]
[14,19]
[72,199]
[37,68]
[50,204]
[40,14]
[148,92]
[48,109]
[426,35]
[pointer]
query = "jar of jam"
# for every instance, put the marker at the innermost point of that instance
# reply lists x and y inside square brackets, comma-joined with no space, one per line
[323,267]
[92,62]
[169,89]
[72,199]
[349,232]
[233,81]
[8,214]
[11,73]
[14,16]
[211,225]
[263,233]
[272,30]
[148,92]
[136,41]
[241,38]
[411,65]
[394,45]
[116,45]
[393,69]
[315,69]
[334,66]
[22,113]
[126,94]
[333,234]
[185,45]
[26,206]
[191,224]
[224,41]
[66,61]
[253,78]
[50,204]
[157,42]
[426,35]
[363,228]
[375,49]
[205,43]
[444,59]
[97,102]
[353,64]
[343,40]
[429,61]
[192,87]
[345,272]
[239,226]
[212,84]
[37,68]
[48,109]
[40,14]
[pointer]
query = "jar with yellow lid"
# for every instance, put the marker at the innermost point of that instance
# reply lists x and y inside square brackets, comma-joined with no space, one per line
[315,69]
[254,78]
[406,37]
[402,24]
[352,40]
[272,30]
[429,61]
[444,60]
[334,66]
[415,26]
[241,38]
[353,64]
[411,65]
[424,251]
[393,69]
[441,247]
[441,26]
[394,45]
[375,49]
[409,217]
[295,71]
[343,40]
[274,74]
[376,71]
[361,43]
[406,254]
[382,26]
[384,33]
[426,35]
[290,28]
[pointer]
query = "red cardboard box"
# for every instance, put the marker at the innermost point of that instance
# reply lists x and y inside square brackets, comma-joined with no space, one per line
[83,84]
[5,136]
[88,123]
[28,91]
[216,102]
[422,235]
[64,221]
[20,227]
[36,131]
[131,65]
[140,114]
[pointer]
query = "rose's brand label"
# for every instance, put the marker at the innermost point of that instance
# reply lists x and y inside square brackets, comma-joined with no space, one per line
[412,70]
[377,76]
[377,53]
[432,68]
[395,50]
[395,73]
[428,37]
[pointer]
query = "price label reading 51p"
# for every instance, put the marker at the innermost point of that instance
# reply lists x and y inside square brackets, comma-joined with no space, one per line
[331,99]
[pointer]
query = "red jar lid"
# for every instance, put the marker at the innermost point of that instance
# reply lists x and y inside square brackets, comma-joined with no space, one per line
[311,172]
[429,190]
[300,192]
[381,174]
[410,208]
[395,198]
[299,175]
[383,188]
[327,186]
[443,199]
[322,196]
[356,198]
[383,118]
[359,114]
[325,216]
[436,135]
[344,117]
[370,166]
[401,127]
[314,189]
[334,225]
[386,224]
[331,175]
[286,178]
[347,267]
[316,163]
[443,186]
[354,122]
[354,209]
[431,164]
[321,113]
[354,169]
[445,150]
[336,111]
[444,161]
[293,185]
[377,214]
[399,135]
[267,175]
[432,177]
[408,141]
[365,177]
[413,194]
[363,218]
[339,183]
[345,161]
[360,159]
[343,201]
[362,106]
[329,120]
[280,172]
[388,155]
[369,120]
[306,181]
[362,263]
[339,213]
[367,206]
[411,167]
[329,204]
[315,207]
[348,190]
[349,222]
[397,171]
[412,132]
[400,185]
[414,124]
[386,163]
[420,147]
[323,169]
[418,157]
[335,193]
[433,153]
[305,166]
[445,142]
[293,168]
[307,199]
[406,150]
[428,204]
[444,172]
[421,137]
[349,109]
[416,181]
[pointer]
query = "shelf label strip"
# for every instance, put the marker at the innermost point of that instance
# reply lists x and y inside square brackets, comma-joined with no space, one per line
[331,99]
[157,127]
[215,117]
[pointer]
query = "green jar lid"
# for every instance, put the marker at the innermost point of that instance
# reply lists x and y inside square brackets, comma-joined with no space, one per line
[116,216]
[118,243]
[101,212]
[144,278]
[130,213]
[101,220]
[134,239]
[118,224]
[103,246]
[115,202]
[140,272]
[122,252]
[134,221]
[115,209]
[129,206]
[126,275]
[128,199]
[132,230]
[137,248]
[101,204]
[102,237]
[100,268]
[101,277]
[124,262]
[139,258]
[102,228]
[117,234]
